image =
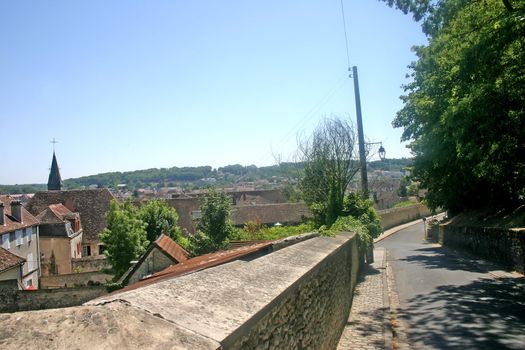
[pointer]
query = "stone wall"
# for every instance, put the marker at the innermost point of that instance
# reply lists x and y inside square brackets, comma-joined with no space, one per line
[12,300]
[503,246]
[154,262]
[296,297]
[74,280]
[90,263]
[311,314]
[397,216]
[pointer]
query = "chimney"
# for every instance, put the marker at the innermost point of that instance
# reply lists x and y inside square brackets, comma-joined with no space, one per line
[2,214]
[16,210]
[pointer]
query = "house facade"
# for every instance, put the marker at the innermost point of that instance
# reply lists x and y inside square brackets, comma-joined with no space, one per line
[19,234]
[92,205]
[60,239]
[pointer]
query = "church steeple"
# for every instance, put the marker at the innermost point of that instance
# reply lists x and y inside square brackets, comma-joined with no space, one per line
[54,183]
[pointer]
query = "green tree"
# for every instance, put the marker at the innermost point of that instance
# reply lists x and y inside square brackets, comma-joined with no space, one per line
[329,166]
[160,218]
[355,205]
[403,184]
[215,227]
[464,108]
[125,236]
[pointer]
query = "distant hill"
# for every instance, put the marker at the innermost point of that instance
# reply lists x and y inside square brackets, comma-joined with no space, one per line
[190,177]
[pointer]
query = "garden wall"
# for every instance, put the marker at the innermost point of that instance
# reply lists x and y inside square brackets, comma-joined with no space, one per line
[12,299]
[503,246]
[397,216]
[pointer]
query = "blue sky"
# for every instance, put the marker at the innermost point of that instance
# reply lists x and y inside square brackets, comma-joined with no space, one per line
[127,85]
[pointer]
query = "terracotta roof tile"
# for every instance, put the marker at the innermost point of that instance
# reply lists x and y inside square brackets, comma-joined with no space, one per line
[9,260]
[92,205]
[10,223]
[171,248]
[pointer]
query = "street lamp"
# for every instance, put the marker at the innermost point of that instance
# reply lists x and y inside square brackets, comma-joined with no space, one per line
[382,152]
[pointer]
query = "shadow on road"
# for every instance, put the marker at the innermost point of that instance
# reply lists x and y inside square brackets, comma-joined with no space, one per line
[485,314]
[442,258]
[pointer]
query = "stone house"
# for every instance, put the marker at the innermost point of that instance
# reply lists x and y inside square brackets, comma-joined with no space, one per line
[162,253]
[19,235]
[60,239]
[92,205]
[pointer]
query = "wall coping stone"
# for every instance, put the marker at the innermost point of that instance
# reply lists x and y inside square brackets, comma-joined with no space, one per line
[216,301]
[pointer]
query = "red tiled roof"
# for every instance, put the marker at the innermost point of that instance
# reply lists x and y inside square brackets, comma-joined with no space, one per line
[60,210]
[92,205]
[9,260]
[198,263]
[10,223]
[171,248]
[54,214]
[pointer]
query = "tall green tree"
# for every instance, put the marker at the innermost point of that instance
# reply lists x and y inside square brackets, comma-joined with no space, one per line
[125,236]
[215,226]
[329,157]
[160,219]
[464,108]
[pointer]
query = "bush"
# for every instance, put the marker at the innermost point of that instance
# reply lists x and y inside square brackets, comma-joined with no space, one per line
[352,224]
[362,209]
[113,286]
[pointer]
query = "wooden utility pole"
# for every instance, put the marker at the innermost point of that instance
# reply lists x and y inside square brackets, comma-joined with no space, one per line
[360,135]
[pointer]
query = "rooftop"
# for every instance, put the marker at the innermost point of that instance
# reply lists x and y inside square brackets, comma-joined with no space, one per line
[91,204]
[9,260]
[11,224]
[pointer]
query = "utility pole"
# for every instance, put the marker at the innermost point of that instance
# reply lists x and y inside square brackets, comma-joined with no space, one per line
[360,135]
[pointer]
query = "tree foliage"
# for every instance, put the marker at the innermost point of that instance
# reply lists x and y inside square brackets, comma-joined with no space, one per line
[215,227]
[130,229]
[355,205]
[125,236]
[161,219]
[329,166]
[464,108]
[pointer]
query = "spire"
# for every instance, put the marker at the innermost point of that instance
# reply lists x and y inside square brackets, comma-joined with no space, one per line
[54,183]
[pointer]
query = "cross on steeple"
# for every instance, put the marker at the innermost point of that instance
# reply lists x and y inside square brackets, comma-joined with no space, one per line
[54,183]
[53,142]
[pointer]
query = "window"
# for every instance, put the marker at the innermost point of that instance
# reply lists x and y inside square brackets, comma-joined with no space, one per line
[6,244]
[101,249]
[29,282]
[30,264]
[29,234]
[18,234]
[86,250]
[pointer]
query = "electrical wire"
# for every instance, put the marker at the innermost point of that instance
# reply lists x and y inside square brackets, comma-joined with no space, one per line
[346,36]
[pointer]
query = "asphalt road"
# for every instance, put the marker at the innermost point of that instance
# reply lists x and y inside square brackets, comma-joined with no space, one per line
[449,302]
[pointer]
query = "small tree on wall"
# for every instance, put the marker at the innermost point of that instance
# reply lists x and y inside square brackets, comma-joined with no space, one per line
[330,162]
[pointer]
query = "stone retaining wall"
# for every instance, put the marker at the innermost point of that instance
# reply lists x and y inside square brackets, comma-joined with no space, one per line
[74,280]
[397,216]
[12,300]
[503,246]
[297,297]
[311,314]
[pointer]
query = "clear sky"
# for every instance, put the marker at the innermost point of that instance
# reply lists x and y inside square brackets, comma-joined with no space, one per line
[128,85]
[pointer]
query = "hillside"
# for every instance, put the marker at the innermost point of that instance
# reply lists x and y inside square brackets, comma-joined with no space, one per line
[190,177]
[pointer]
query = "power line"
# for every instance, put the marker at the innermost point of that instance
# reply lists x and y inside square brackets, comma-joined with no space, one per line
[311,113]
[346,36]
